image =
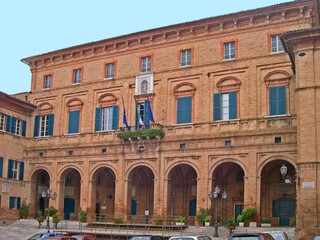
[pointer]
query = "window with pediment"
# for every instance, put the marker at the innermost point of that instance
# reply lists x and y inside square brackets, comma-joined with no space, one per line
[74,114]
[43,125]
[107,113]
[184,96]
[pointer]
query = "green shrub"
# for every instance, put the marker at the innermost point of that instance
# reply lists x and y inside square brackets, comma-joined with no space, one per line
[249,213]
[40,217]
[24,210]
[180,219]
[207,218]
[202,214]
[231,222]
[82,217]
[56,218]
[116,220]
[265,220]
[240,218]
[52,211]
[147,133]
[294,220]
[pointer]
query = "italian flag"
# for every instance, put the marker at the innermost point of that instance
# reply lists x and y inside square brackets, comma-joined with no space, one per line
[139,117]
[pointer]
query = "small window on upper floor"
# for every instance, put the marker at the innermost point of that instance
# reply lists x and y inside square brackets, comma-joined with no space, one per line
[185,57]
[2,121]
[276,45]
[146,64]
[77,76]
[47,81]
[229,50]
[110,70]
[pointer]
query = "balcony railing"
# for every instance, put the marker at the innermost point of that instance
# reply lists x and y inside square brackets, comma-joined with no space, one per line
[148,131]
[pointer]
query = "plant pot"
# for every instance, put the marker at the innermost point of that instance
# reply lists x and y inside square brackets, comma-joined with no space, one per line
[179,223]
[265,224]
[252,224]
[241,224]
[207,224]
[232,227]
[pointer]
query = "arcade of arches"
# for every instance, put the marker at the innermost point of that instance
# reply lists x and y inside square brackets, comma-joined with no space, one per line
[141,192]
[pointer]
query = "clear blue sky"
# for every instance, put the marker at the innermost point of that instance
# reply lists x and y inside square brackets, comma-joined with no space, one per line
[32,27]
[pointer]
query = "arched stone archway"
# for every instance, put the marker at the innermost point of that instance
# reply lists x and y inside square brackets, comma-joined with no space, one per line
[103,193]
[277,197]
[140,194]
[229,176]
[69,193]
[182,192]
[40,182]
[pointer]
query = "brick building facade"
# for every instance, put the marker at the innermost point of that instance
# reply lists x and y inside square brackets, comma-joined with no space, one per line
[235,96]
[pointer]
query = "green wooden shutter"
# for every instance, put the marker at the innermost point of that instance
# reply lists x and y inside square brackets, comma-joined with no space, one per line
[273,100]
[21,172]
[10,166]
[217,106]
[232,105]
[97,123]
[13,124]
[115,117]
[74,121]
[11,202]
[24,125]
[36,126]
[50,124]
[187,109]
[18,202]
[8,123]
[180,110]
[1,166]
[282,100]
[146,115]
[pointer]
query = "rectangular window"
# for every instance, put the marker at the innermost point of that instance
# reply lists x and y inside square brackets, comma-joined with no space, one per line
[107,118]
[14,203]
[185,57]
[184,109]
[277,100]
[1,166]
[146,64]
[47,81]
[15,170]
[2,121]
[276,45]
[224,106]
[43,125]
[142,115]
[110,70]
[74,122]
[77,76]
[17,127]
[229,50]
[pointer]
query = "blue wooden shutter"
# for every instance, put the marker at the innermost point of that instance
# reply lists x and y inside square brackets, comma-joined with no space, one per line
[187,109]
[50,124]
[146,115]
[217,106]
[8,123]
[21,172]
[18,202]
[10,166]
[11,202]
[282,100]
[115,117]
[13,124]
[36,126]
[180,110]
[232,105]
[74,121]
[1,166]
[273,101]
[24,125]
[97,125]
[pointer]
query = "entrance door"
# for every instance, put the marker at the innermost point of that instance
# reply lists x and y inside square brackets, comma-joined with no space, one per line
[238,208]
[283,208]
[68,207]
[192,207]
[133,207]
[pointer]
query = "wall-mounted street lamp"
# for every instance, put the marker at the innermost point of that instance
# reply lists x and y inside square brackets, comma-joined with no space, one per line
[48,194]
[287,179]
[214,196]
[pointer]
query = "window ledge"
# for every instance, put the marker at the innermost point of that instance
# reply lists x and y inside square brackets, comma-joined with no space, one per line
[109,78]
[275,116]
[76,83]
[42,137]
[229,59]
[71,134]
[229,120]
[182,124]
[276,52]
[186,66]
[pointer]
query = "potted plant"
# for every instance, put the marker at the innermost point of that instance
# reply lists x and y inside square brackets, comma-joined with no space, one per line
[158,221]
[248,215]
[52,211]
[207,220]
[203,212]
[231,224]
[180,220]
[265,222]
[40,218]
[240,220]
[116,220]
[24,210]
[56,219]
[82,216]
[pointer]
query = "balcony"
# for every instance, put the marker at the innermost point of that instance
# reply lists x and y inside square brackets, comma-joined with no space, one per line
[148,133]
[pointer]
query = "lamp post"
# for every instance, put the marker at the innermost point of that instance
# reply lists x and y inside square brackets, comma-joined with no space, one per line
[287,179]
[48,194]
[214,196]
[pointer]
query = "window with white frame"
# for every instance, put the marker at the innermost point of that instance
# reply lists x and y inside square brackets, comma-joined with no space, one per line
[15,170]
[229,50]
[17,127]
[44,125]
[14,203]
[107,116]
[276,45]
[2,121]
[47,81]
[146,64]
[185,57]
[110,70]
[77,76]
